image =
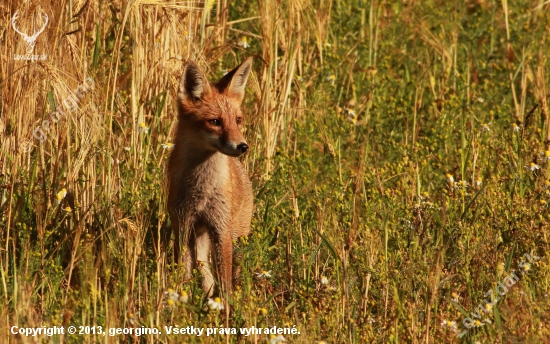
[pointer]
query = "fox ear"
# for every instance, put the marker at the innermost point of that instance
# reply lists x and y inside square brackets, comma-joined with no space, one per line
[234,82]
[193,83]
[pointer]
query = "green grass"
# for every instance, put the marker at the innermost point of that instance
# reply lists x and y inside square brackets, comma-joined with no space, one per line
[356,114]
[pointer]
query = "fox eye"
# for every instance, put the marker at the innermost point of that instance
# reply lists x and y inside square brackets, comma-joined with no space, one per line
[215,122]
[239,120]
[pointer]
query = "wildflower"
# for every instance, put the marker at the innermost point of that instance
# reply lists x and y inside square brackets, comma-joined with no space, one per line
[215,303]
[167,145]
[324,280]
[455,296]
[184,298]
[127,149]
[262,311]
[264,274]
[332,79]
[526,267]
[60,195]
[298,78]
[371,320]
[450,178]
[485,127]
[488,307]
[500,269]
[481,100]
[515,127]
[532,167]
[132,319]
[68,209]
[143,128]
[479,182]
[244,42]
[478,323]
[547,155]
[276,339]
[462,184]
[444,323]
[171,297]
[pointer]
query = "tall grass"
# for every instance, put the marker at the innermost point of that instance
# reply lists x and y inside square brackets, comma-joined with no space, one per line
[356,112]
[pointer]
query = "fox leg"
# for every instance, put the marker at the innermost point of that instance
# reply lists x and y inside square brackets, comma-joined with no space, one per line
[203,245]
[224,260]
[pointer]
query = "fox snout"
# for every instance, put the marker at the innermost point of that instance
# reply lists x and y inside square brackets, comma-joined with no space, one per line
[234,149]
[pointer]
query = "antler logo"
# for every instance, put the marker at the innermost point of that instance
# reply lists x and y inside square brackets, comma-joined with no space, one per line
[29,40]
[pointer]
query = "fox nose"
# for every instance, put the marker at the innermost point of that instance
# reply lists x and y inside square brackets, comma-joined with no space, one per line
[243,147]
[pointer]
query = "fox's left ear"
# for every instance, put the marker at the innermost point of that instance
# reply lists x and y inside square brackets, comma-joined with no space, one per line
[234,82]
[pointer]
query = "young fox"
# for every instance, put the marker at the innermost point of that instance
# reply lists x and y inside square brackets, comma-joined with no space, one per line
[210,194]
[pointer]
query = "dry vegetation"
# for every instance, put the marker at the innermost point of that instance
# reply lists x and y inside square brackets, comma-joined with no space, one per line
[358,114]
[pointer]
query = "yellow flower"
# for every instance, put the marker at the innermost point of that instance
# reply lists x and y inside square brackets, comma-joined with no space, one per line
[68,209]
[332,79]
[167,145]
[262,311]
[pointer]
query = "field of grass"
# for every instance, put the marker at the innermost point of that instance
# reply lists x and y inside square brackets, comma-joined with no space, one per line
[400,157]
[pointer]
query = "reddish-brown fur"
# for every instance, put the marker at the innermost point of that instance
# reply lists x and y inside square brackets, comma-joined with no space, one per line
[210,195]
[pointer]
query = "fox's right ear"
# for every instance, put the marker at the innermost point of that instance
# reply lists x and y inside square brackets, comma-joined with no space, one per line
[193,83]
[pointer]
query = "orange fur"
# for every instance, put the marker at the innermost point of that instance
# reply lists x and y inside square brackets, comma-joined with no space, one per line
[210,195]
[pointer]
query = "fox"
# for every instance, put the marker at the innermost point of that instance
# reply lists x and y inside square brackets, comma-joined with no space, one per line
[210,200]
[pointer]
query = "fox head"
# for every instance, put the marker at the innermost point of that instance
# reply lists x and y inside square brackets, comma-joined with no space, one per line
[210,112]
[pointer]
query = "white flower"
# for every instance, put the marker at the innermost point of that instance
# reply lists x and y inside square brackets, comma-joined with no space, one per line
[455,296]
[515,127]
[481,100]
[127,149]
[371,320]
[532,167]
[167,145]
[450,178]
[264,274]
[215,303]
[500,269]
[276,339]
[170,297]
[60,195]
[332,79]
[244,42]
[450,324]
[324,280]
[479,182]
[462,184]
[143,128]
[485,127]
